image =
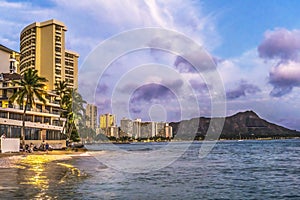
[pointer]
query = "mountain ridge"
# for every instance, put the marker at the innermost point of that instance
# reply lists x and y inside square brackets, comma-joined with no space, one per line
[242,125]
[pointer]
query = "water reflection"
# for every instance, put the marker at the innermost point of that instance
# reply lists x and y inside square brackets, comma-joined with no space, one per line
[39,177]
[35,171]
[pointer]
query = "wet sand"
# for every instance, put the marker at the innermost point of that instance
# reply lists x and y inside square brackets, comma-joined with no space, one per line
[39,175]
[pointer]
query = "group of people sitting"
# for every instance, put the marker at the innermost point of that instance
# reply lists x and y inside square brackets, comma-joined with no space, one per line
[30,148]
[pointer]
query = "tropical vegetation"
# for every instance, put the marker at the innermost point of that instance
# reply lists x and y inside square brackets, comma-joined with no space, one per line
[72,109]
[31,86]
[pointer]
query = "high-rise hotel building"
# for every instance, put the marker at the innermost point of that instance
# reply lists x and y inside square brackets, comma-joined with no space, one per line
[91,113]
[42,46]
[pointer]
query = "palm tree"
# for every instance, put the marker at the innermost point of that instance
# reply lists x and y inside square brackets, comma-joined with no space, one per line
[61,88]
[31,86]
[76,112]
[72,106]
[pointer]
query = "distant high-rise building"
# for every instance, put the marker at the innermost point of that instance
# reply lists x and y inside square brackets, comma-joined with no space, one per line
[42,47]
[127,126]
[108,124]
[136,128]
[107,120]
[148,129]
[168,131]
[9,60]
[91,113]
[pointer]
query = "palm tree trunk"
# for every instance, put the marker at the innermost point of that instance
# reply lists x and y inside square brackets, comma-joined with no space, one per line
[23,126]
[70,130]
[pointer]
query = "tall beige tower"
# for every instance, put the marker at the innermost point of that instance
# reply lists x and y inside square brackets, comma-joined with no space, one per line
[42,46]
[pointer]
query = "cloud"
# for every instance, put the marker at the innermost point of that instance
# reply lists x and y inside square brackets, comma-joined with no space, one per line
[284,77]
[85,20]
[203,61]
[103,105]
[243,89]
[280,43]
[102,88]
[152,92]
[199,86]
[283,45]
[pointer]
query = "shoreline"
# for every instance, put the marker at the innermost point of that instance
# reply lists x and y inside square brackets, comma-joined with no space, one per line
[52,152]
[39,175]
[177,140]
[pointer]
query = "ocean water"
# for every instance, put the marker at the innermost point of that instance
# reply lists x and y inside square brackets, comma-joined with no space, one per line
[232,170]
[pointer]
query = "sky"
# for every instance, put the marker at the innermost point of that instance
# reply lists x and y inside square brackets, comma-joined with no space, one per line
[254,47]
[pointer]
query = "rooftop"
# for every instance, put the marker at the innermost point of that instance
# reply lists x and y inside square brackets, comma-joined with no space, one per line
[6,49]
[9,76]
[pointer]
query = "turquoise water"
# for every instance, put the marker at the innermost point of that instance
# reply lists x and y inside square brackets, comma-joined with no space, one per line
[232,170]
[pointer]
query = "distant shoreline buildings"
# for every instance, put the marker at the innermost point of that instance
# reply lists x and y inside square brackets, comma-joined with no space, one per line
[134,129]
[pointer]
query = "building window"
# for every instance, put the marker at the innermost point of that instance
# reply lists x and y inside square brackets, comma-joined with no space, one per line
[58,28]
[15,132]
[57,60]
[38,119]
[55,111]
[39,107]
[56,123]
[3,114]
[15,116]
[57,38]
[47,109]
[29,118]
[31,134]
[57,71]
[47,120]
[57,49]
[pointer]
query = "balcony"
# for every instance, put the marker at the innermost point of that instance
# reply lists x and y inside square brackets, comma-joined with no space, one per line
[3,97]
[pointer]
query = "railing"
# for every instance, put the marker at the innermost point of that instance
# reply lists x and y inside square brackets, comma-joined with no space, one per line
[17,107]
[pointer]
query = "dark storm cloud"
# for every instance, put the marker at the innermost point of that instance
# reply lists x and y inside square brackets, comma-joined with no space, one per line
[150,92]
[284,45]
[172,84]
[243,89]
[280,43]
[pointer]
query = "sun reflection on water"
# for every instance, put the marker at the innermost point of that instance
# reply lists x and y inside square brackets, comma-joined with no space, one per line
[42,173]
[36,165]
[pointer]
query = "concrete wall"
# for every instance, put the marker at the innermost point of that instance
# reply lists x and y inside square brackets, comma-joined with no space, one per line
[4,62]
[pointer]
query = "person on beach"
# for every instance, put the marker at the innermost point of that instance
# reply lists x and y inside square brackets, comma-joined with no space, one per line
[27,148]
[47,147]
[3,136]
[42,146]
[31,148]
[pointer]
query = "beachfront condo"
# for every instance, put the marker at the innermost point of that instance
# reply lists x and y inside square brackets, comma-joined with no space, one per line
[42,122]
[42,47]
